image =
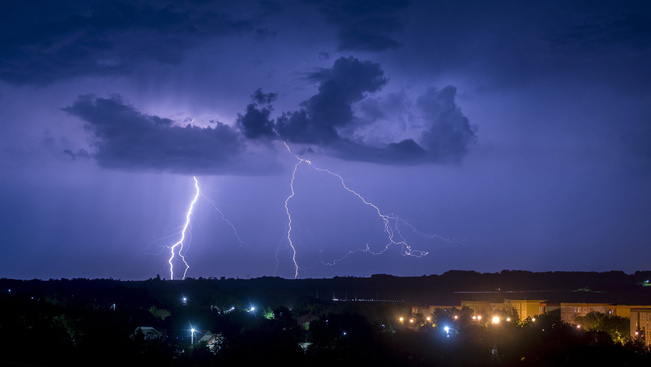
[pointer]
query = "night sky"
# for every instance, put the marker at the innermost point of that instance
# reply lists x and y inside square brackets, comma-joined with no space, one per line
[489,135]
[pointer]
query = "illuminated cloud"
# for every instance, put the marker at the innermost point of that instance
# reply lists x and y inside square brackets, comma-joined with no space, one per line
[446,138]
[126,139]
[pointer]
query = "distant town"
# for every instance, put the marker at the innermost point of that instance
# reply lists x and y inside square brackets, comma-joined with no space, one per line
[458,318]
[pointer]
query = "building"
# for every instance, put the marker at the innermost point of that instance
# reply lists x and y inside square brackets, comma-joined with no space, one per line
[429,310]
[569,311]
[523,308]
[641,324]
[148,333]
[214,342]
[624,310]
[479,307]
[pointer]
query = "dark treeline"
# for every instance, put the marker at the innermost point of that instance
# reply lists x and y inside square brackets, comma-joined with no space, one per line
[445,289]
[296,322]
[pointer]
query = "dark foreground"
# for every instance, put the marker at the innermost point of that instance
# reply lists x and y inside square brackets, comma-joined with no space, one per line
[84,322]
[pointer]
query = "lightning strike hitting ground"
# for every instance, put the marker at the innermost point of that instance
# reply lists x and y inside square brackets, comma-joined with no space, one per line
[390,221]
[184,232]
[289,216]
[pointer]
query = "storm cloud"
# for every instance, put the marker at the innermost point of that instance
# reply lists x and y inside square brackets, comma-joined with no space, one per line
[367,25]
[510,126]
[449,133]
[346,83]
[106,38]
[446,138]
[125,138]
[255,122]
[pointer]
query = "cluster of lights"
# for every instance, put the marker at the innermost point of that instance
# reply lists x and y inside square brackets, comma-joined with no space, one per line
[495,319]
[193,330]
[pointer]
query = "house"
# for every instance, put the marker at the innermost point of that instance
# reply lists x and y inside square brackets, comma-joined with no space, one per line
[148,333]
[214,342]
[305,320]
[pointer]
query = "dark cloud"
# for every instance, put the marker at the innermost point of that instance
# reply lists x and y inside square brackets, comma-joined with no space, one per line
[512,44]
[366,25]
[102,38]
[255,123]
[449,133]
[405,152]
[346,83]
[263,98]
[446,138]
[124,138]
[614,33]
[81,153]
[297,127]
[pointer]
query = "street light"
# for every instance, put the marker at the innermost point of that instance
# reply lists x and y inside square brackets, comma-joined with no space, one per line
[447,330]
[192,336]
[496,320]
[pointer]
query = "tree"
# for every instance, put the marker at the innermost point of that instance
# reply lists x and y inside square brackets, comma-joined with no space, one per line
[616,326]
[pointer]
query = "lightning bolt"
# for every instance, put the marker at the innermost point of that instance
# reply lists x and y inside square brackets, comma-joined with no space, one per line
[184,232]
[289,216]
[391,222]
[212,202]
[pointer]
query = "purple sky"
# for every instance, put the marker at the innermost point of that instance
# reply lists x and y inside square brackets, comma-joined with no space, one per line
[491,135]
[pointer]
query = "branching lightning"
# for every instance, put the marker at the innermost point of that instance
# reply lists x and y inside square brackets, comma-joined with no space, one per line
[391,222]
[212,202]
[178,247]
